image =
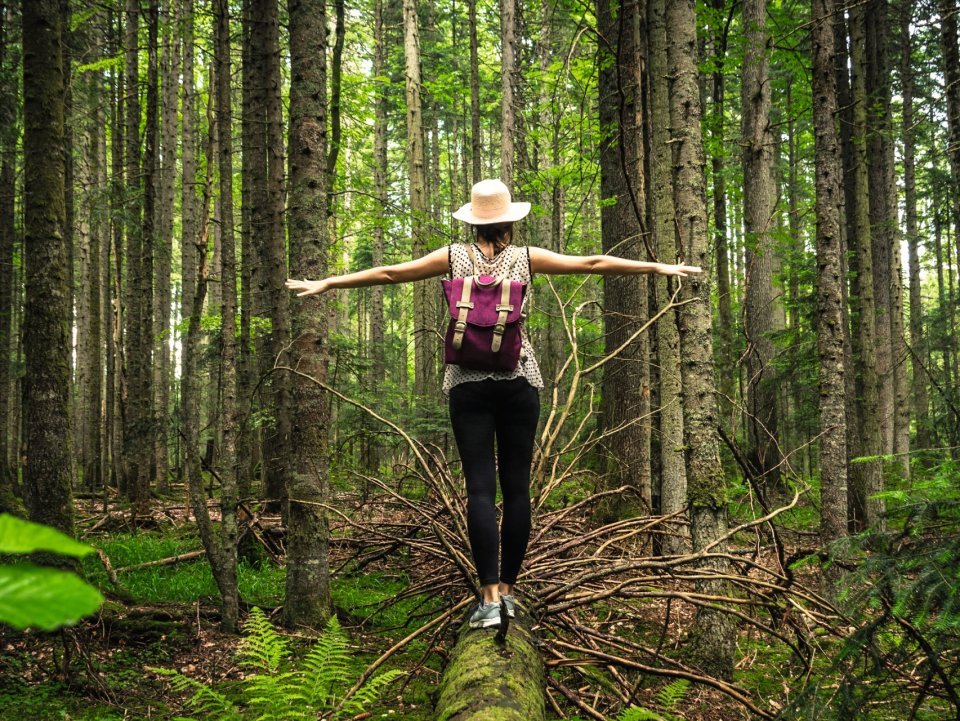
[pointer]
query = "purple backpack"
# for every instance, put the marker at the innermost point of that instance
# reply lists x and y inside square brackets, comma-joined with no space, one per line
[484,329]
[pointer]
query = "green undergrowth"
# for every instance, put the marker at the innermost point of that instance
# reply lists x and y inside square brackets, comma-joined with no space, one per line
[363,601]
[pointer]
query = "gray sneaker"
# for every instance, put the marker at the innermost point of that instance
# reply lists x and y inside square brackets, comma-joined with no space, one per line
[485,614]
[511,604]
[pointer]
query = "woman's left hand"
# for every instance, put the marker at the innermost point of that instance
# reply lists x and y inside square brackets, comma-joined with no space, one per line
[679,270]
[309,287]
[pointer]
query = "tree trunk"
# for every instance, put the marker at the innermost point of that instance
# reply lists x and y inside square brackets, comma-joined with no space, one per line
[830,341]
[46,389]
[225,570]
[474,93]
[725,352]
[714,633]
[9,99]
[626,379]
[869,481]
[377,334]
[424,341]
[673,474]
[508,70]
[474,685]
[307,600]
[189,228]
[170,72]
[919,385]
[763,315]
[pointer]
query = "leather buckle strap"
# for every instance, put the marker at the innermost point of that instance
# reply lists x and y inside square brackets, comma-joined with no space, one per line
[503,308]
[464,305]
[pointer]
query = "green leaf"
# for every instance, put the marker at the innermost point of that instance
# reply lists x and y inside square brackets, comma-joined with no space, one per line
[19,536]
[46,598]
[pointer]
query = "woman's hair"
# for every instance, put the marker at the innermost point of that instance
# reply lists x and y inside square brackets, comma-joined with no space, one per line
[499,234]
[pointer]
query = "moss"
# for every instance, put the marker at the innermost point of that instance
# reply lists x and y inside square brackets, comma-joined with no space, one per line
[488,682]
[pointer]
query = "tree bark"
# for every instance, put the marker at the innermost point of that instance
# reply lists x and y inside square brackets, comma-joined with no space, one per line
[626,379]
[9,99]
[673,474]
[46,343]
[225,569]
[830,340]
[423,321]
[869,481]
[377,323]
[713,644]
[189,226]
[474,93]
[162,378]
[725,351]
[763,316]
[508,70]
[307,600]
[919,385]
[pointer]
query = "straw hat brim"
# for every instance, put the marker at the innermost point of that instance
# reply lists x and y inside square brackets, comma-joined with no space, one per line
[515,212]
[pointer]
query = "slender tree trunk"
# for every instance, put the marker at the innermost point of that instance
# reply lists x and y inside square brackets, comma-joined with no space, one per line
[46,383]
[276,451]
[116,406]
[626,391]
[508,70]
[170,64]
[307,600]
[190,230]
[878,144]
[673,474]
[424,341]
[714,633]
[474,92]
[90,236]
[830,341]
[870,481]
[919,385]
[144,377]
[9,99]
[725,352]
[763,315]
[132,251]
[377,335]
[225,570]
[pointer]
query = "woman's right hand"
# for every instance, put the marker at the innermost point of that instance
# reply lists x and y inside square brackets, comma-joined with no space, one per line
[309,287]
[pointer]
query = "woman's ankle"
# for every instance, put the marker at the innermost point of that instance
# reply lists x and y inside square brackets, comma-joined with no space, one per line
[490,593]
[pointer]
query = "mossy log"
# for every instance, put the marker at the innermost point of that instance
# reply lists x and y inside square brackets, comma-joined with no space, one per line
[490,681]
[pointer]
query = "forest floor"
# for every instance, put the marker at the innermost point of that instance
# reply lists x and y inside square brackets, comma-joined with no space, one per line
[98,670]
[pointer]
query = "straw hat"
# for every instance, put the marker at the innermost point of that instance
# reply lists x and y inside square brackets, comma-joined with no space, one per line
[490,203]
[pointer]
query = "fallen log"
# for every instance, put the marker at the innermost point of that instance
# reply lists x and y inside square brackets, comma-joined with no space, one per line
[490,681]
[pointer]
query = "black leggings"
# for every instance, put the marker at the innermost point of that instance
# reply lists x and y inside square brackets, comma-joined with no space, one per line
[510,410]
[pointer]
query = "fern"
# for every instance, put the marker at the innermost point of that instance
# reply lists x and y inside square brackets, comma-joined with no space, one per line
[326,667]
[673,693]
[635,713]
[262,648]
[205,700]
[277,692]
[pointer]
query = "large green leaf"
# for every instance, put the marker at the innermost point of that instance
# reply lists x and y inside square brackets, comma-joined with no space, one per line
[19,536]
[46,598]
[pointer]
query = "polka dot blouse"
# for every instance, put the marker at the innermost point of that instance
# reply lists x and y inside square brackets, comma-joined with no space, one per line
[461,267]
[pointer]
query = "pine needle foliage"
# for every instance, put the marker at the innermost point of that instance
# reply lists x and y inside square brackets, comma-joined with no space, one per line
[903,600]
[279,689]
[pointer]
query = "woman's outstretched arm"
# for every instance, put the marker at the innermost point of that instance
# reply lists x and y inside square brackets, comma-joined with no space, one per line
[432,264]
[546,261]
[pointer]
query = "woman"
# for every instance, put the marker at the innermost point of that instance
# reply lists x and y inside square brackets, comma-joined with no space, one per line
[493,404]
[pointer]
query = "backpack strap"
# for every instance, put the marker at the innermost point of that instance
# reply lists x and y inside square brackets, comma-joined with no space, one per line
[473,257]
[503,307]
[464,305]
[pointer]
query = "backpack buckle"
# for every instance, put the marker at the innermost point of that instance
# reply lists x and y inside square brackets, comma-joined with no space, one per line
[508,308]
[465,304]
